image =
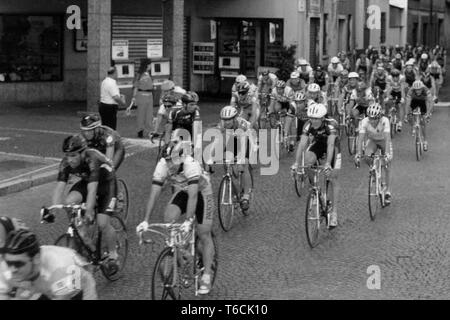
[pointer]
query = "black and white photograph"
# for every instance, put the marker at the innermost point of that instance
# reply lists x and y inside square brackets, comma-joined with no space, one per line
[224,150]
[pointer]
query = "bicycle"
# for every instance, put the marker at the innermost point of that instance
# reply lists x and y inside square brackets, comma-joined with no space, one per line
[417,133]
[299,179]
[94,251]
[393,118]
[377,189]
[282,139]
[317,206]
[353,133]
[230,196]
[179,265]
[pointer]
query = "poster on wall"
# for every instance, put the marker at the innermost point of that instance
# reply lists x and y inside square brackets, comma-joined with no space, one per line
[154,48]
[203,57]
[119,50]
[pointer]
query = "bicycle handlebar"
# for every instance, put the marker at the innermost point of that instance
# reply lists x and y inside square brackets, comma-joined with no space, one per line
[152,228]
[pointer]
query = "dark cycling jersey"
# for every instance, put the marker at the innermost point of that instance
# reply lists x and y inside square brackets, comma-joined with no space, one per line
[398,64]
[319,78]
[410,77]
[181,118]
[427,82]
[321,134]
[105,137]
[380,81]
[92,161]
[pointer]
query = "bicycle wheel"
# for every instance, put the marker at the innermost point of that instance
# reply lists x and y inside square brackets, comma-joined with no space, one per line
[252,197]
[299,183]
[121,247]
[351,139]
[163,277]
[374,202]
[226,203]
[418,146]
[313,219]
[393,126]
[122,200]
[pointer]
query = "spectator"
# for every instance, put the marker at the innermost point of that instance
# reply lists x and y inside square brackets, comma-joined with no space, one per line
[143,96]
[110,99]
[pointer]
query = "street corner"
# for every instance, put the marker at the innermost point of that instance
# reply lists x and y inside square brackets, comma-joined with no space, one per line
[19,172]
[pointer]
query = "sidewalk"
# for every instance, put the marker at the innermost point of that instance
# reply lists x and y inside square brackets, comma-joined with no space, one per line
[31,137]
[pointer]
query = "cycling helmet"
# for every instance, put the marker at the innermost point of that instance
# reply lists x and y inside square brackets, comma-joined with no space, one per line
[319,67]
[409,63]
[398,56]
[317,111]
[295,75]
[167,85]
[243,87]
[417,85]
[345,74]
[424,56]
[395,73]
[188,98]
[380,67]
[281,84]
[374,110]
[170,100]
[302,62]
[299,96]
[334,60]
[75,143]
[21,241]
[241,78]
[89,122]
[228,112]
[194,95]
[313,87]
[434,64]
[7,224]
[265,72]
[362,86]
[353,75]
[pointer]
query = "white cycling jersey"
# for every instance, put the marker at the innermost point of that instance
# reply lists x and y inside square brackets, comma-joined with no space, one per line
[378,133]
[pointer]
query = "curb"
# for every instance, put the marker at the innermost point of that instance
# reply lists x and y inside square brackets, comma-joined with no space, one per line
[26,183]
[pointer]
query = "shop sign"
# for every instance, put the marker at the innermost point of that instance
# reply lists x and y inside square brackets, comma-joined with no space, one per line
[203,57]
[119,50]
[154,48]
[301,5]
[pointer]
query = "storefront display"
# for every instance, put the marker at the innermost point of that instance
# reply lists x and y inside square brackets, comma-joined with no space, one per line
[30,48]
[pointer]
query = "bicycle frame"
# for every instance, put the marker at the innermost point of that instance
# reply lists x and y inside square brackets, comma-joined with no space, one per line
[315,187]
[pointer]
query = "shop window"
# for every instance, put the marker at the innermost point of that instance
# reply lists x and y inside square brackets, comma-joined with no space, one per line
[31,48]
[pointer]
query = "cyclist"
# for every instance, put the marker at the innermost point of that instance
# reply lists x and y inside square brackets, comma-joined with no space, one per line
[239,79]
[429,82]
[281,100]
[324,146]
[297,118]
[33,272]
[344,61]
[395,94]
[186,117]
[376,130]
[315,95]
[410,73]
[162,117]
[192,196]
[436,72]
[335,69]
[423,63]
[247,103]
[320,77]
[420,97]
[398,63]
[266,83]
[363,66]
[295,83]
[344,80]
[6,226]
[346,92]
[305,71]
[96,187]
[103,139]
[378,83]
[360,100]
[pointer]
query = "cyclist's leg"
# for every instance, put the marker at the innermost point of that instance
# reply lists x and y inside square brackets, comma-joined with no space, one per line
[312,154]
[335,187]
[204,214]
[177,205]
[387,167]
[105,193]
[78,195]
[423,123]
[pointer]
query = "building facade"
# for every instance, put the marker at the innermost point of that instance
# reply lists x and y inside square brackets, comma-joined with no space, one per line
[427,22]
[206,42]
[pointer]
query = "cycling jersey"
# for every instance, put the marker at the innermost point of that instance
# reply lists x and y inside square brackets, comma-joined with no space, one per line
[398,64]
[410,77]
[380,81]
[321,98]
[396,86]
[244,101]
[105,137]
[375,133]
[181,176]
[428,82]
[307,74]
[335,72]
[423,65]
[363,101]
[253,90]
[89,170]
[300,86]
[320,77]
[423,95]
[62,275]
[182,118]
[266,84]
[286,96]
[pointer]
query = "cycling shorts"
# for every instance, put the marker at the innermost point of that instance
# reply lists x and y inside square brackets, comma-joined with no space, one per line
[319,148]
[422,104]
[204,210]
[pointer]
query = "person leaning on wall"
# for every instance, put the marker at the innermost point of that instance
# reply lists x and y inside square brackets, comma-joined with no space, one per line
[110,99]
[143,98]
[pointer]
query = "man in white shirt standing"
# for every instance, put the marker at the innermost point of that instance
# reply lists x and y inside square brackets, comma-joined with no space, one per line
[110,99]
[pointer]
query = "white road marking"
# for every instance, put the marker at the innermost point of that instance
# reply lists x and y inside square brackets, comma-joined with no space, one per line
[37,131]
[29,173]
